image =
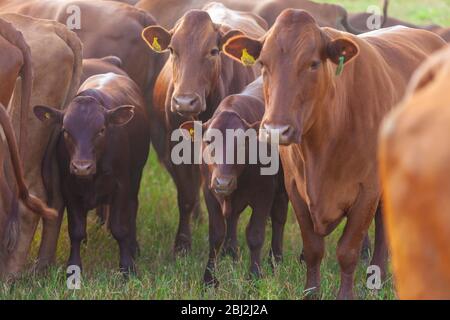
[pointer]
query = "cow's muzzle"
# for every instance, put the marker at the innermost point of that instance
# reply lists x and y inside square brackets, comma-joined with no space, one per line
[83,168]
[224,185]
[278,134]
[187,105]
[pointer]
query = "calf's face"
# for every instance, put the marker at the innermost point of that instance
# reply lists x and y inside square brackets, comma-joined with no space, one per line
[195,46]
[299,61]
[225,170]
[85,126]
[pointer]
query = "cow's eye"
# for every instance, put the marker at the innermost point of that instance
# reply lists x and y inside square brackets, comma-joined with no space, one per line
[315,65]
[215,52]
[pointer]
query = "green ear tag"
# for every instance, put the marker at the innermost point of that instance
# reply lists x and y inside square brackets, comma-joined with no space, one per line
[155,45]
[247,59]
[340,67]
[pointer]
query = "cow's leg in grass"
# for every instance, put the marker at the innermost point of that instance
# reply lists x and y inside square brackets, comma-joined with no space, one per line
[255,233]
[217,230]
[350,243]
[49,241]
[380,253]
[122,220]
[313,244]
[77,232]
[187,181]
[278,216]
[230,246]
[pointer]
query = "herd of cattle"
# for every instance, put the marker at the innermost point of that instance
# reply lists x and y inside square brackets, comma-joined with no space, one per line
[80,109]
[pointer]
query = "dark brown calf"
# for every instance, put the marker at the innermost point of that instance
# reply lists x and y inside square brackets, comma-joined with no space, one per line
[102,151]
[191,85]
[230,188]
[92,67]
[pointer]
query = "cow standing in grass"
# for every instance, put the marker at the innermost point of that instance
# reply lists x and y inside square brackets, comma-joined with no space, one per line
[102,151]
[191,85]
[326,93]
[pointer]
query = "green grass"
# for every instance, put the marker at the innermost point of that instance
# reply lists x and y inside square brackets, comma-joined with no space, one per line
[162,277]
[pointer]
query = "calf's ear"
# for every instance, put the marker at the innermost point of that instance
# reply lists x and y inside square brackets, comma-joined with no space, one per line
[243,49]
[48,115]
[157,38]
[342,50]
[120,116]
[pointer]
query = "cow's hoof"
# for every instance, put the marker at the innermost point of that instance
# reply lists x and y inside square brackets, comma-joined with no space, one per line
[182,247]
[255,273]
[232,252]
[210,281]
[311,293]
[345,295]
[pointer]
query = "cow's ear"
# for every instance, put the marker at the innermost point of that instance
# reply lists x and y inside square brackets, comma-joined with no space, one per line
[187,128]
[48,115]
[243,49]
[224,37]
[121,115]
[342,50]
[157,38]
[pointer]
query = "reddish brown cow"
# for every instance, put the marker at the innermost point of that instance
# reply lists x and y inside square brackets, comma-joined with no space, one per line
[103,148]
[56,56]
[230,188]
[192,83]
[326,93]
[92,67]
[414,165]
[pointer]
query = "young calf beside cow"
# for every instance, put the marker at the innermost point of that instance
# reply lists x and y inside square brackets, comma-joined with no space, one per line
[103,147]
[231,186]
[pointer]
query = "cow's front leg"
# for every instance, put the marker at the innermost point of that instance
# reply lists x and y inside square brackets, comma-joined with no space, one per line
[217,229]
[122,220]
[77,232]
[255,233]
[187,181]
[350,243]
[231,244]
[278,215]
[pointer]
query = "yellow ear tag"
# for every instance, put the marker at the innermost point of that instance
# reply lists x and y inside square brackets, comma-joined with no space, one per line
[191,132]
[155,45]
[47,115]
[247,59]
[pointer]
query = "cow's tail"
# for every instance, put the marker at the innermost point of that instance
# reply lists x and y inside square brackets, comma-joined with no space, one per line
[15,37]
[31,202]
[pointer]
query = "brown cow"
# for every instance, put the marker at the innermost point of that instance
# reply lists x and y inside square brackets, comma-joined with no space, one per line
[167,12]
[326,93]
[192,83]
[92,67]
[414,165]
[229,188]
[105,139]
[56,56]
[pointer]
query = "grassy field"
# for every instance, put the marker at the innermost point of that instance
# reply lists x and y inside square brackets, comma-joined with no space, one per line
[161,277]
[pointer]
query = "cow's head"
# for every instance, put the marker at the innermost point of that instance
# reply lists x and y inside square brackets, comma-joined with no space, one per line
[299,62]
[195,46]
[223,173]
[85,126]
